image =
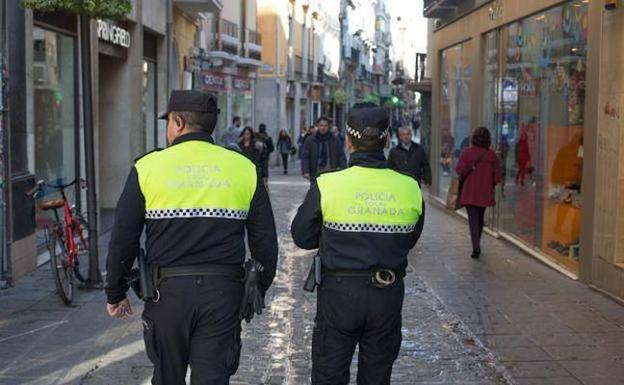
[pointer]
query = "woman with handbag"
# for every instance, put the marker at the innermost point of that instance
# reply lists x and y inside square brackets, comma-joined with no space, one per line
[285,148]
[479,171]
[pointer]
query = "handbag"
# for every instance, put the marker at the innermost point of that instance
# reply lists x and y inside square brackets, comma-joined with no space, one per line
[453,196]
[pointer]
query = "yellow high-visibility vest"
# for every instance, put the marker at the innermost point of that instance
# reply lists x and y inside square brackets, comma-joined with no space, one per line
[196,179]
[361,199]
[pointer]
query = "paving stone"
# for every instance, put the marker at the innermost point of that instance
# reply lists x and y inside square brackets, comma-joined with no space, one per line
[466,322]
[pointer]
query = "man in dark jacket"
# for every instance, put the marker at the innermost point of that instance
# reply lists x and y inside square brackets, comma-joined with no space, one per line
[267,141]
[322,151]
[409,157]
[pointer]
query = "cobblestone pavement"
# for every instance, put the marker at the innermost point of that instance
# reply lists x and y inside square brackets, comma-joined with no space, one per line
[43,342]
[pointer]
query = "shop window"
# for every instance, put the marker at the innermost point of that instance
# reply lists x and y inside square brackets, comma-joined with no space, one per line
[456,81]
[539,125]
[54,137]
[242,106]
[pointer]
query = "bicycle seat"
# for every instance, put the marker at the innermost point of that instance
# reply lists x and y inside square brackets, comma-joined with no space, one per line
[52,204]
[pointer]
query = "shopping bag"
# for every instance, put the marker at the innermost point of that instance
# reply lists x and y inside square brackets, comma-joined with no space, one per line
[453,195]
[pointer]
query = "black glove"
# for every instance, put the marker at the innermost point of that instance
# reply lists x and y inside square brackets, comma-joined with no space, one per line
[253,295]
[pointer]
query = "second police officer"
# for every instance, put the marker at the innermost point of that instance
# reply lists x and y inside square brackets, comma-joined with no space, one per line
[364,220]
[196,201]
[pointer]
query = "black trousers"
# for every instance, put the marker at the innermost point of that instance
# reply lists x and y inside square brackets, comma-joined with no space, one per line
[476,220]
[195,323]
[351,312]
[285,161]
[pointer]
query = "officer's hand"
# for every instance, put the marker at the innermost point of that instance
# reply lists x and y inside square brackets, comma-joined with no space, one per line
[306,176]
[120,309]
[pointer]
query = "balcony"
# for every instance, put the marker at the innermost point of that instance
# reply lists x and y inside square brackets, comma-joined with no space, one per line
[193,7]
[220,41]
[310,71]
[229,37]
[441,9]
[320,73]
[298,67]
[252,50]
[422,83]
[253,45]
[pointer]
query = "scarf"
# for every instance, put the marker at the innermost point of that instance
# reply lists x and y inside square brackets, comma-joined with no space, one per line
[323,140]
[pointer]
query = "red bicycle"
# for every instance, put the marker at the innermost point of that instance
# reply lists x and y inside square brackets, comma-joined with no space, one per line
[66,238]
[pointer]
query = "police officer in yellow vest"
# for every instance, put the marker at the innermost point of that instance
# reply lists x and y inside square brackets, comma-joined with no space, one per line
[364,220]
[195,201]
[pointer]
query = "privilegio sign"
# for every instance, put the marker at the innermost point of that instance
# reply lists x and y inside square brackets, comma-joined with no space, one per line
[113,34]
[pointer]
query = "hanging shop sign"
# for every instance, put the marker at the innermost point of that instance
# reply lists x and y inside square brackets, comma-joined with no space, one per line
[213,81]
[113,34]
[241,84]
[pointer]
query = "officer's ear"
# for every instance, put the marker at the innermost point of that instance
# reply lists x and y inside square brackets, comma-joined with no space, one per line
[179,122]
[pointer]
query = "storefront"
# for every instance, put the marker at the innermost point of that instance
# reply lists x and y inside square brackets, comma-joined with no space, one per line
[235,97]
[54,141]
[131,92]
[526,72]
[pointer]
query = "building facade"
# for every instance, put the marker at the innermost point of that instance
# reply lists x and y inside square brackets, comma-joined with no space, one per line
[545,77]
[301,52]
[135,63]
[226,59]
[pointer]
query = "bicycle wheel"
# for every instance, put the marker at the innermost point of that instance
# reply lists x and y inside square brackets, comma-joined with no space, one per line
[63,275]
[81,240]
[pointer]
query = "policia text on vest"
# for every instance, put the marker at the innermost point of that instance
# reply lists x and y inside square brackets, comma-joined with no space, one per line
[195,201]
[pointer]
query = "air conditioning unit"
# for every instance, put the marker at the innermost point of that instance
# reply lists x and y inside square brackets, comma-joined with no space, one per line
[40,74]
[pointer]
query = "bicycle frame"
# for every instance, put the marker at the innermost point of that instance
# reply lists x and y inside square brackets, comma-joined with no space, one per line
[71,224]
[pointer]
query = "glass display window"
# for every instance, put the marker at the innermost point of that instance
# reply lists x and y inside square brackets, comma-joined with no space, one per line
[456,82]
[54,104]
[539,116]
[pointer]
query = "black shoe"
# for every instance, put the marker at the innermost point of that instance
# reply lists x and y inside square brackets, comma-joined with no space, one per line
[285,172]
[475,254]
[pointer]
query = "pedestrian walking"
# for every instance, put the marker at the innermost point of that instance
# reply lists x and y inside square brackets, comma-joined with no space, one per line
[364,220]
[479,170]
[267,141]
[252,148]
[322,151]
[409,157]
[229,137]
[196,202]
[285,147]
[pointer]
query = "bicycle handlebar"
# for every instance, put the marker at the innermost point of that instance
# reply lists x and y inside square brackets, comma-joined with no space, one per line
[41,184]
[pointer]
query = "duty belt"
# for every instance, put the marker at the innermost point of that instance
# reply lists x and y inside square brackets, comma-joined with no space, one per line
[220,270]
[381,278]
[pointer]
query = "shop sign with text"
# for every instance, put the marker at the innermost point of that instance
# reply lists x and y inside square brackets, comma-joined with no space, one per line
[113,34]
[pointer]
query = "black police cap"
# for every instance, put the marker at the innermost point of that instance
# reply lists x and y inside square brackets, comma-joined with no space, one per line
[364,116]
[191,100]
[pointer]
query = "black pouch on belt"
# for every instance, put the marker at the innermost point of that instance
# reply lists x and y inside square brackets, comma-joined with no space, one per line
[314,275]
[141,280]
[253,295]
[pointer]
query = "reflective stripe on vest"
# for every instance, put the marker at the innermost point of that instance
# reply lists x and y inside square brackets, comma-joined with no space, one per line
[196,179]
[361,199]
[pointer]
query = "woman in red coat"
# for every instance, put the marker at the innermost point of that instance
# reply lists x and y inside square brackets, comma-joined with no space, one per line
[479,169]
